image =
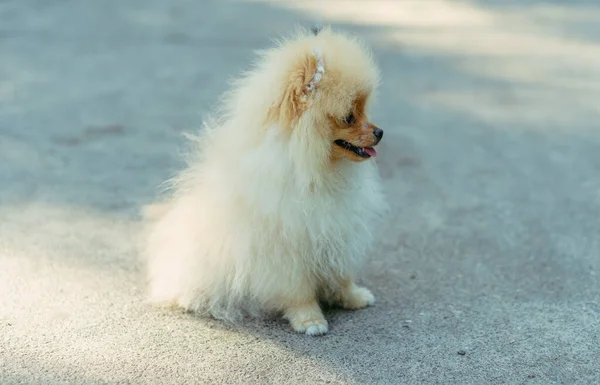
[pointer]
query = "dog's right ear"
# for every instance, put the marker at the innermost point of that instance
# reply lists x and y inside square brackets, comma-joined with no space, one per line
[301,84]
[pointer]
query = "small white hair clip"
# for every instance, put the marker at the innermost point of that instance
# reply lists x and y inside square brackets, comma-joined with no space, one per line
[318,72]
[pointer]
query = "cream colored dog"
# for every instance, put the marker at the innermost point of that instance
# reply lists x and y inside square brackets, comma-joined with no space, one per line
[281,199]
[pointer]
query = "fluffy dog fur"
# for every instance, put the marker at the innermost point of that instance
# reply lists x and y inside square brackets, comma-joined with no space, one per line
[274,211]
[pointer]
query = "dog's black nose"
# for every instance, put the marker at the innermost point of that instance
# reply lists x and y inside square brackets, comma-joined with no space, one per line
[378,132]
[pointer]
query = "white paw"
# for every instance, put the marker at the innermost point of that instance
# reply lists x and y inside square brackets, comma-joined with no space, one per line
[357,298]
[313,327]
[307,318]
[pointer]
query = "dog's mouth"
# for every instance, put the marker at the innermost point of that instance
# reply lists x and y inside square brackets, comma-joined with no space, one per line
[363,152]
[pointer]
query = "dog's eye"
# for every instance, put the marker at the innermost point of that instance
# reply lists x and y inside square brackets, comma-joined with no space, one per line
[350,119]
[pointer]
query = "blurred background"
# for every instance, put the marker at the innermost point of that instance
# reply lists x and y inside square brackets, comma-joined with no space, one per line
[487,272]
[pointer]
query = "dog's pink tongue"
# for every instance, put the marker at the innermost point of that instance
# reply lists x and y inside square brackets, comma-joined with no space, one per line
[371,151]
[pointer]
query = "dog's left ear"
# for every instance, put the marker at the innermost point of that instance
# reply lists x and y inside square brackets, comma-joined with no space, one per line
[300,87]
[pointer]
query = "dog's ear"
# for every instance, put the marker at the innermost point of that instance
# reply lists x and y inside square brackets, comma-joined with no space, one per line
[300,86]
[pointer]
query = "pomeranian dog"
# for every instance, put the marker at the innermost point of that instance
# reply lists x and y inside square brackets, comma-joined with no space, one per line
[281,199]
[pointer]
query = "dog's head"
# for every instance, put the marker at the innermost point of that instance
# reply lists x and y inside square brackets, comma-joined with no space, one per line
[327,82]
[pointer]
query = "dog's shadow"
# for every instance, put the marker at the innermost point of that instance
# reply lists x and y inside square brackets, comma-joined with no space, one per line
[357,339]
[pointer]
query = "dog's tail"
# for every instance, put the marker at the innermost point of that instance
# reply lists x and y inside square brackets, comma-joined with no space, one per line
[154,211]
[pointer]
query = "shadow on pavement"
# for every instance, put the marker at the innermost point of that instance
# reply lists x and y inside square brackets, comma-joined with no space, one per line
[491,162]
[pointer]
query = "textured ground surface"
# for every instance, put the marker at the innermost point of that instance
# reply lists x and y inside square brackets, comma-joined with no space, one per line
[491,160]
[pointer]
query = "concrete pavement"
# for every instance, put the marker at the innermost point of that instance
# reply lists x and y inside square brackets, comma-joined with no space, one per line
[488,271]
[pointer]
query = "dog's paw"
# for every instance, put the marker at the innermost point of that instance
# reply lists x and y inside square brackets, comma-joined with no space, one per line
[312,327]
[357,297]
[307,319]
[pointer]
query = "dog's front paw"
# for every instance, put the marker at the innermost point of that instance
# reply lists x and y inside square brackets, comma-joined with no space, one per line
[357,297]
[312,327]
[307,319]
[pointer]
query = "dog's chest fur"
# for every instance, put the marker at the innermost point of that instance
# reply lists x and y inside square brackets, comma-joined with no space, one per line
[327,223]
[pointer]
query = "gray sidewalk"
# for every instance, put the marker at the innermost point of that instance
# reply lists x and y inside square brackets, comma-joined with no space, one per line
[489,269]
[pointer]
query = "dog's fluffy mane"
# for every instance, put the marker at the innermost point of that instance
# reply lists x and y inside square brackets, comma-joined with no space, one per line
[261,209]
